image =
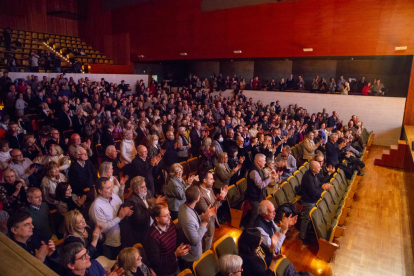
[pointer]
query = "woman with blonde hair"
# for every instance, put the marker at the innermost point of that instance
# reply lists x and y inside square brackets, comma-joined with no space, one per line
[128,150]
[175,189]
[49,183]
[130,261]
[76,229]
[106,170]
[55,155]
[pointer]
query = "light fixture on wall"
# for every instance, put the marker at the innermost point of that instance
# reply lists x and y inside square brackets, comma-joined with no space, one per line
[237,51]
[401,48]
[140,56]
[183,54]
[308,49]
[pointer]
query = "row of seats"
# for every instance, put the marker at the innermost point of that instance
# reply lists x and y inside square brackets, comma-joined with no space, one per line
[329,214]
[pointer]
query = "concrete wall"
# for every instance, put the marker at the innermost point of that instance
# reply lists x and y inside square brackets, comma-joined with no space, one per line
[383,115]
[115,78]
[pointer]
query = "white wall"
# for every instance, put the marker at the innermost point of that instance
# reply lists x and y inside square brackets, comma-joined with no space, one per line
[383,115]
[115,78]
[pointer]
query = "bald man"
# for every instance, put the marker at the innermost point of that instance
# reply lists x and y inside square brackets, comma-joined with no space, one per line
[268,228]
[82,175]
[142,166]
[75,142]
[311,190]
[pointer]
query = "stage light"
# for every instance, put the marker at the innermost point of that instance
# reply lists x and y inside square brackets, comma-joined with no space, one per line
[308,49]
[237,51]
[401,48]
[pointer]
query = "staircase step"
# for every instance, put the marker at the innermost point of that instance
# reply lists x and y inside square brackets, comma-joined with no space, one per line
[394,147]
[387,152]
[402,142]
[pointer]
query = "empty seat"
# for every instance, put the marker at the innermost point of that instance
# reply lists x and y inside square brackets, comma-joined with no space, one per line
[272,199]
[300,151]
[193,163]
[207,265]
[299,176]
[234,201]
[225,245]
[281,266]
[289,192]
[325,236]
[280,197]
[242,185]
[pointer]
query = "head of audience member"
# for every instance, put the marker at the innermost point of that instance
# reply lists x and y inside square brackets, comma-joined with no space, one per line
[285,152]
[207,180]
[52,170]
[310,135]
[81,154]
[176,170]
[142,152]
[34,196]
[319,157]
[192,196]
[111,152]
[13,128]
[74,224]
[104,188]
[75,257]
[223,158]
[267,210]
[110,127]
[63,191]
[260,160]
[341,143]
[249,241]
[314,166]
[75,139]
[106,169]
[161,215]
[230,133]
[16,156]
[231,265]
[139,187]
[333,137]
[55,150]
[10,176]
[4,145]
[20,226]
[130,260]
[239,141]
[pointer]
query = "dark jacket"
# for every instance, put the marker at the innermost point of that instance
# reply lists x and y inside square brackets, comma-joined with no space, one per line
[332,153]
[82,178]
[107,139]
[311,187]
[195,142]
[139,167]
[140,219]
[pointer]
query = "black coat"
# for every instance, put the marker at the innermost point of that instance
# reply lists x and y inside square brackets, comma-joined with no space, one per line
[82,178]
[64,121]
[140,219]
[15,142]
[107,139]
[195,142]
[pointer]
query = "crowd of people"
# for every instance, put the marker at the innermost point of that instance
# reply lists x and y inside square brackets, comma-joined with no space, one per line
[107,160]
[318,85]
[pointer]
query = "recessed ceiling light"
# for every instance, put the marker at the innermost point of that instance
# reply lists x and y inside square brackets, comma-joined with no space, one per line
[401,48]
[237,51]
[308,49]
[183,54]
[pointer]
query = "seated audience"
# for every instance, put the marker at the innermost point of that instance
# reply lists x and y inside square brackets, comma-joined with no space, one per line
[130,261]
[106,170]
[222,171]
[49,183]
[12,191]
[21,165]
[39,212]
[55,154]
[230,265]
[66,200]
[286,163]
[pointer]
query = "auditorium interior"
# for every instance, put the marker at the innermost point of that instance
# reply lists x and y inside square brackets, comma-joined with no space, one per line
[209,137]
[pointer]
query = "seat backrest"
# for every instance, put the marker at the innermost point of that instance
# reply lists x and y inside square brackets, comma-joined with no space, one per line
[225,245]
[272,199]
[280,197]
[326,214]
[207,265]
[281,266]
[289,193]
[303,169]
[193,163]
[186,168]
[306,165]
[300,150]
[186,272]
[299,176]
[242,185]
[318,223]
[293,182]
[233,196]
[294,152]
[335,197]
[327,197]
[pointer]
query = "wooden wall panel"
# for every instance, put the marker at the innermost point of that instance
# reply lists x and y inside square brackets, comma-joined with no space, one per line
[32,16]
[409,106]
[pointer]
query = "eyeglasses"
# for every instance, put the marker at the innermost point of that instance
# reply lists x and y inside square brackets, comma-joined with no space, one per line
[83,257]
[17,155]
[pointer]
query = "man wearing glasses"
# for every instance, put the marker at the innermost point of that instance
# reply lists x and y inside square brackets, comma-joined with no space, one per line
[75,257]
[161,243]
[55,139]
[21,165]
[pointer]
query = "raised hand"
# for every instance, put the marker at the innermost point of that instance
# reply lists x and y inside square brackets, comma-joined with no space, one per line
[123,180]
[160,200]
[116,272]
[125,212]
[81,200]
[182,250]
[205,217]
[51,247]
[121,164]
[42,252]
